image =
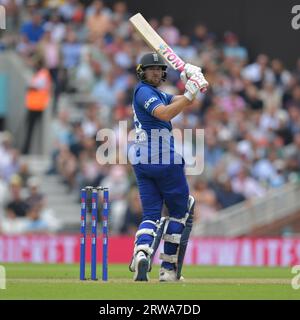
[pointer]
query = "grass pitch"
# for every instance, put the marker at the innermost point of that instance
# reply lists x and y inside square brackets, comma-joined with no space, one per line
[39,281]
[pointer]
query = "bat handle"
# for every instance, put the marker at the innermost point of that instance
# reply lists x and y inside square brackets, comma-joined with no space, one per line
[181,68]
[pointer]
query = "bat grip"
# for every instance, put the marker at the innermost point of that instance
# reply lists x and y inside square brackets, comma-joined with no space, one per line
[181,68]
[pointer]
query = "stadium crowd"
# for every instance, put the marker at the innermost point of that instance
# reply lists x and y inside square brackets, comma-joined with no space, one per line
[251,113]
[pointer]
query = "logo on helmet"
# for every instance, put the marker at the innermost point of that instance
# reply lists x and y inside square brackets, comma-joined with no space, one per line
[155,57]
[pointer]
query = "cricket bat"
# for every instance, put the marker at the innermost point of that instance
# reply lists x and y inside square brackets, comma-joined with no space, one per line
[156,42]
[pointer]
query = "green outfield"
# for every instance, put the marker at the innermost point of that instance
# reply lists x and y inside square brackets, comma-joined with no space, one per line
[39,281]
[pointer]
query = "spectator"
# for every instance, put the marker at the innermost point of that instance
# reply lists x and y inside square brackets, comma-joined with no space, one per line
[84,73]
[232,48]
[17,206]
[9,157]
[39,217]
[91,122]
[226,196]
[35,198]
[56,27]
[120,17]
[200,36]
[98,22]
[243,183]
[49,50]
[35,223]
[294,119]
[106,90]
[270,96]
[296,96]
[297,70]
[206,202]
[67,166]
[282,76]
[212,151]
[293,150]
[70,51]
[93,7]
[33,30]
[25,48]
[168,31]
[252,98]
[231,103]
[259,71]
[185,50]
[24,173]
[270,120]
[68,9]
[3,196]
[237,83]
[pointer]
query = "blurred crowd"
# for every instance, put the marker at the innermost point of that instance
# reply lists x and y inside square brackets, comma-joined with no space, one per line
[251,113]
[23,207]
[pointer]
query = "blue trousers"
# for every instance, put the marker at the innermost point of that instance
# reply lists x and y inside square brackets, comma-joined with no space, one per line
[162,183]
[159,184]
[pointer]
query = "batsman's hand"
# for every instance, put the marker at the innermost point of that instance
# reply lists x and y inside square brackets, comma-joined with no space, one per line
[188,71]
[191,71]
[191,89]
[196,83]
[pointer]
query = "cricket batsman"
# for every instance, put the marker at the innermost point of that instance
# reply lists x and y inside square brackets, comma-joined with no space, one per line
[159,169]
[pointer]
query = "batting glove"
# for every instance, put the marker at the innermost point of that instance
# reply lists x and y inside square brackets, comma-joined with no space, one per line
[191,90]
[189,70]
[196,83]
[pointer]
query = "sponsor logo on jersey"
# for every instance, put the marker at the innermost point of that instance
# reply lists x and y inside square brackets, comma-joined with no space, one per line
[149,101]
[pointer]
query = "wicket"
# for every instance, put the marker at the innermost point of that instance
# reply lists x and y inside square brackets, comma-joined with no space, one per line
[93,192]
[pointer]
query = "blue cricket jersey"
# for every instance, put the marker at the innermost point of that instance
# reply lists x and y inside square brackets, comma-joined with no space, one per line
[154,140]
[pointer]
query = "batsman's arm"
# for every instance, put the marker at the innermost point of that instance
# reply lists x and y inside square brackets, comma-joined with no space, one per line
[168,112]
[175,98]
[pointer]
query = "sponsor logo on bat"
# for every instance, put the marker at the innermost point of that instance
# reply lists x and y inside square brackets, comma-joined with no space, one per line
[171,56]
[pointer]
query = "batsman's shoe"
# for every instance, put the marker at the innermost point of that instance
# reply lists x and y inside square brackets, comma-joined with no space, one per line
[141,267]
[166,275]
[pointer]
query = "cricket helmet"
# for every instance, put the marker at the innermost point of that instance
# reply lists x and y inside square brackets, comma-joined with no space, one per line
[149,60]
